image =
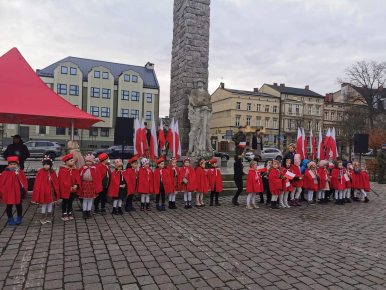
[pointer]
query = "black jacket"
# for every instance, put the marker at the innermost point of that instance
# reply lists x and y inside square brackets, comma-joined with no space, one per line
[254,143]
[238,169]
[265,180]
[17,149]
[288,155]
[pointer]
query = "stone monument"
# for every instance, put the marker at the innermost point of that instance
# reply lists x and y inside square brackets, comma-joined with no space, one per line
[189,71]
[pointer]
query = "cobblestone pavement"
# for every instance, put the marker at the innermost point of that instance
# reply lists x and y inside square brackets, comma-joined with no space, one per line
[308,247]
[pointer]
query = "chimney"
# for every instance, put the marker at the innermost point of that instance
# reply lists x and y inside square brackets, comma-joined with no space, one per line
[275,84]
[326,98]
[307,87]
[222,85]
[256,90]
[282,85]
[150,65]
[331,97]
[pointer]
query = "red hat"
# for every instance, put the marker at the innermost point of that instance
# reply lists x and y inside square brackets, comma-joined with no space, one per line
[67,157]
[214,160]
[13,159]
[103,156]
[134,159]
[242,144]
[160,161]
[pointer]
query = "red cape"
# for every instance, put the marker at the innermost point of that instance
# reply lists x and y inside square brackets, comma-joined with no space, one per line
[10,188]
[96,177]
[166,180]
[190,176]
[364,182]
[348,183]
[296,169]
[355,180]
[102,170]
[174,171]
[115,182]
[202,180]
[65,181]
[145,181]
[42,186]
[283,171]
[308,181]
[215,179]
[275,183]
[253,185]
[337,183]
[322,178]
[131,179]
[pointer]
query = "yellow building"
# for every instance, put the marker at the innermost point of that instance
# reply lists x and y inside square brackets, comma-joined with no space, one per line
[103,89]
[233,108]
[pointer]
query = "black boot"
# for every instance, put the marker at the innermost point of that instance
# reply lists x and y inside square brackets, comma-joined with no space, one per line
[158,207]
[120,211]
[142,206]
[211,198]
[174,205]
[348,200]
[277,204]
[217,202]
[85,214]
[366,200]
[337,201]
[163,207]
[274,205]
[341,201]
[234,202]
[190,204]
[261,197]
[170,204]
[127,207]
[186,205]
[89,215]
[148,208]
[115,211]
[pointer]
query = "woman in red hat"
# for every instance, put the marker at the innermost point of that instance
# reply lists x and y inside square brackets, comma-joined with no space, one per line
[118,187]
[162,183]
[254,185]
[202,183]
[13,188]
[187,181]
[131,175]
[145,183]
[105,175]
[69,185]
[46,189]
[215,182]
[174,172]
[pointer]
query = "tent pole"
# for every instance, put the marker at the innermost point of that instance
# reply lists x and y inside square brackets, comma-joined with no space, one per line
[72,129]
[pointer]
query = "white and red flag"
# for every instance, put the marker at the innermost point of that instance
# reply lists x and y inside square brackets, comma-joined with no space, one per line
[153,142]
[312,146]
[161,136]
[320,146]
[137,139]
[299,144]
[304,144]
[289,175]
[177,143]
[334,148]
[169,135]
[261,168]
[327,143]
[145,146]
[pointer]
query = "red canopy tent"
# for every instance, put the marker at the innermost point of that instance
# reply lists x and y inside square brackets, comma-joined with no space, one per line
[26,99]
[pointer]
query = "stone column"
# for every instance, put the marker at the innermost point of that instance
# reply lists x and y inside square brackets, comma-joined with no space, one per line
[190,58]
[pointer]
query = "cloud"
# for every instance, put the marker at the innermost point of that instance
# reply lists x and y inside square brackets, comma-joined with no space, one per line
[296,42]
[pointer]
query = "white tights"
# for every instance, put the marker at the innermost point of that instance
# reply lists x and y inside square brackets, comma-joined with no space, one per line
[298,191]
[46,207]
[321,194]
[251,198]
[172,196]
[274,197]
[347,193]
[310,195]
[363,193]
[284,197]
[356,191]
[187,196]
[145,198]
[199,196]
[87,204]
[338,194]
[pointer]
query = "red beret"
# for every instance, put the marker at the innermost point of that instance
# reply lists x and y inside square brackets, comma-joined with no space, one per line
[13,159]
[133,160]
[160,160]
[67,157]
[214,160]
[103,156]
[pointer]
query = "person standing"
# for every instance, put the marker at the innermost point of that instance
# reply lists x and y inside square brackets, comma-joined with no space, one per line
[237,138]
[381,158]
[290,154]
[257,145]
[18,149]
[238,177]
[74,149]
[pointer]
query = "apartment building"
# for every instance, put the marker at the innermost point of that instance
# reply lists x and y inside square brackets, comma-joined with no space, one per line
[103,89]
[251,109]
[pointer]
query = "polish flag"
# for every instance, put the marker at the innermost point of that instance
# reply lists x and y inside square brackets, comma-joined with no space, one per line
[304,144]
[299,144]
[137,139]
[169,135]
[176,141]
[161,136]
[331,165]
[334,148]
[289,175]
[320,146]
[243,144]
[261,168]
[145,146]
[312,142]
[153,142]
[327,142]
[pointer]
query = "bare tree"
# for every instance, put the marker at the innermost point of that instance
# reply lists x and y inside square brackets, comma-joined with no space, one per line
[368,80]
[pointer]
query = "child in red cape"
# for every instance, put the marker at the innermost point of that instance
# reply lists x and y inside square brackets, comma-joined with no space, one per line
[310,181]
[46,189]
[69,185]
[297,182]
[347,192]
[91,184]
[145,184]
[275,183]
[364,183]
[355,180]
[187,181]
[13,188]
[118,187]
[338,183]
[202,183]
[105,174]
[323,180]
[215,182]
[131,175]
[254,185]
[162,183]
[174,172]
[287,184]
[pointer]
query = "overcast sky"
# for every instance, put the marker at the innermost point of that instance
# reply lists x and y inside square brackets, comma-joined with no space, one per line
[252,42]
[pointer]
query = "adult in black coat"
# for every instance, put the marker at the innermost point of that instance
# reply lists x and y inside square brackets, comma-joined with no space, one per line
[17,148]
[238,177]
[257,145]
[290,154]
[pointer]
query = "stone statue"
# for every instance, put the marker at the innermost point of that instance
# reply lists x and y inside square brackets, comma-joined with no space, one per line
[199,114]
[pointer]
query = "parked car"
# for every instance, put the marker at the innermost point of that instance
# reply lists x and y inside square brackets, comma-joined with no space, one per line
[267,153]
[38,149]
[370,153]
[222,155]
[115,152]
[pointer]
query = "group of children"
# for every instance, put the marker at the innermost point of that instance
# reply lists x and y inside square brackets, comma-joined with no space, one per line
[92,183]
[285,184]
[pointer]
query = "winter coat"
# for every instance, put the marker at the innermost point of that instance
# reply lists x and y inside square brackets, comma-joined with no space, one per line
[337,179]
[117,176]
[145,183]
[45,181]
[12,185]
[131,177]
[96,177]
[254,181]
[296,182]
[323,177]
[309,182]
[68,177]
[166,180]
[285,180]
[190,175]
[303,166]
[364,181]
[104,172]
[202,180]
[275,183]
[215,179]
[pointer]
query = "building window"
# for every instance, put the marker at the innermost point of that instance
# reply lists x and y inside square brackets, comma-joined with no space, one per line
[135,114]
[293,139]
[73,71]
[285,140]
[106,93]
[93,131]
[105,112]
[258,107]
[326,115]
[94,111]
[248,121]
[267,108]
[95,92]
[135,96]
[317,111]
[317,125]
[42,130]
[302,98]
[289,108]
[74,90]
[338,131]
[248,106]
[275,123]
[309,111]
[97,74]
[75,132]
[286,96]
[105,132]
[308,125]
[126,78]
[310,99]
[317,100]
[297,110]
[340,107]
[148,115]
[134,79]
[237,121]
[332,116]
[289,124]
[266,122]
[258,122]
[339,116]
[125,113]
[125,95]
[238,106]
[105,75]
[149,98]
[275,109]
[62,89]
[64,70]
[60,131]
